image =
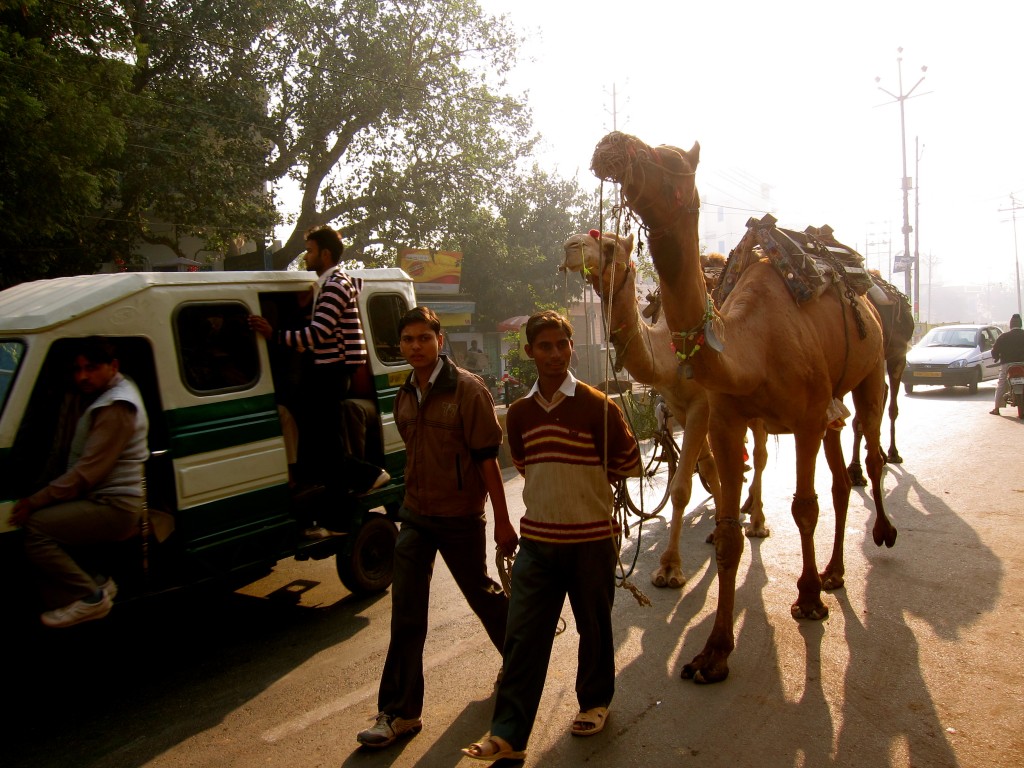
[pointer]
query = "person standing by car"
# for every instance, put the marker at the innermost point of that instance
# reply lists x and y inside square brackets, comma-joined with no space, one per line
[1008,348]
[98,499]
[446,418]
[570,443]
[335,336]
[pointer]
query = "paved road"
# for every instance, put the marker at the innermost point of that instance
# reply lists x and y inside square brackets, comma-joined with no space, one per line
[919,664]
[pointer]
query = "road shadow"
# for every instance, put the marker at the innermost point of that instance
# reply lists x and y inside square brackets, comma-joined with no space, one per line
[936,550]
[110,688]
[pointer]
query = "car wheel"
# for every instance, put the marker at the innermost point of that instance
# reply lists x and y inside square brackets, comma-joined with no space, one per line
[908,387]
[973,386]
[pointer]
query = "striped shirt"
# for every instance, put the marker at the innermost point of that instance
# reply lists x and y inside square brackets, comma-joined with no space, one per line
[335,334]
[559,447]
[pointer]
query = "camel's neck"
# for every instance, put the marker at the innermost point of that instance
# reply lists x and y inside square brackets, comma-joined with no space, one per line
[629,333]
[675,251]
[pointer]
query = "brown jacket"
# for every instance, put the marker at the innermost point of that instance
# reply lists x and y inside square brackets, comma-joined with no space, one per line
[446,437]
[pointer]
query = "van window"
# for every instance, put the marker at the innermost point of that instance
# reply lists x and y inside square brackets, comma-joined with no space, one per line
[385,310]
[11,353]
[217,351]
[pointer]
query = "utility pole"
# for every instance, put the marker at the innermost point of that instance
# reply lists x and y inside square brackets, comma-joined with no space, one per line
[906,182]
[917,230]
[1014,207]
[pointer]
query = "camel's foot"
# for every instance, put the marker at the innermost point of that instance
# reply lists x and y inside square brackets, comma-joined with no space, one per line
[857,475]
[757,530]
[884,533]
[706,667]
[668,576]
[893,457]
[816,611]
[831,580]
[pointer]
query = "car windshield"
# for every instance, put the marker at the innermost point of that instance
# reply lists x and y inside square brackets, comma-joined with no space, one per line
[11,353]
[950,337]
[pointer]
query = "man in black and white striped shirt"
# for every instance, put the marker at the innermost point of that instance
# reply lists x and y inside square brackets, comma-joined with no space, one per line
[335,339]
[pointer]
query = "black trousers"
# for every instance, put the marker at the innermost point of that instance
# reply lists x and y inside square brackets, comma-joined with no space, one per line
[324,456]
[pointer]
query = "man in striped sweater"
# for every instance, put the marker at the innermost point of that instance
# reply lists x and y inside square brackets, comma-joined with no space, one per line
[570,443]
[335,339]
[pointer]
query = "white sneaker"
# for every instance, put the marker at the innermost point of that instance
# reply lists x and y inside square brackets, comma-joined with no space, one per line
[387,729]
[77,612]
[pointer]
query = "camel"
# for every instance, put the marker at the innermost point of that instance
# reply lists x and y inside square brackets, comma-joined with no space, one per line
[644,351]
[897,332]
[761,355]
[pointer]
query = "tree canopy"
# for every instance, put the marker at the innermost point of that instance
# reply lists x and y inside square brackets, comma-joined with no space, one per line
[128,122]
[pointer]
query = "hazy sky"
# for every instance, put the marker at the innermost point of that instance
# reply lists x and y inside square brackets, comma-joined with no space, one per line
[785,92]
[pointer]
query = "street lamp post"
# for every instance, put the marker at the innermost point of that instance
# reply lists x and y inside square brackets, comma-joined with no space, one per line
[906,182]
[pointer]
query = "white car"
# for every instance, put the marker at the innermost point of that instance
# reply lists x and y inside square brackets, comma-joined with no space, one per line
[952,356]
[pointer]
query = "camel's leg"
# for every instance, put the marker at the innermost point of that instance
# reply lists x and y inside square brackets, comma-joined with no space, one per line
[709,471]
[856,473]
[669,572]
[896,369]
[867,401]
[711,664]
[808,604]
[832,576]
[753,506]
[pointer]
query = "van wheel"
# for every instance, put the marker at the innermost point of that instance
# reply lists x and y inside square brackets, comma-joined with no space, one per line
[370,566]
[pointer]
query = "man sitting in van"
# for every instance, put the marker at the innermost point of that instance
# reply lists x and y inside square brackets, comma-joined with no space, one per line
[335,336]
[98,499]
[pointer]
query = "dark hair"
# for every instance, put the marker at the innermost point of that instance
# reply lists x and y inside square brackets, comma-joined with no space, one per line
[1015,321]
[542,321]
[96,349]
[420,315]
[327,239]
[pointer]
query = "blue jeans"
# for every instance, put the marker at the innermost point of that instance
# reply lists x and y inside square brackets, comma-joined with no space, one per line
[463,545]
[542,575]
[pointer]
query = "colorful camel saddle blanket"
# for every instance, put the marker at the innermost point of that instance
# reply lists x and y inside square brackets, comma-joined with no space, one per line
[808,261]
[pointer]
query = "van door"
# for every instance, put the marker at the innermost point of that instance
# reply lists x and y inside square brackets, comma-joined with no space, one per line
[230,466]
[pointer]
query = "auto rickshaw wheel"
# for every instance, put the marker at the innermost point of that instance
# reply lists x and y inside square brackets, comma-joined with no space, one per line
[368,566]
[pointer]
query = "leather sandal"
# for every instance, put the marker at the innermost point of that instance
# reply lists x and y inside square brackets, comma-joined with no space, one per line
[590,722]
[493,748]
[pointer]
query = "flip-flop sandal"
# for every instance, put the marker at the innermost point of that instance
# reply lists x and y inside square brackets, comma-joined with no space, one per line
[477,751]
[595,717]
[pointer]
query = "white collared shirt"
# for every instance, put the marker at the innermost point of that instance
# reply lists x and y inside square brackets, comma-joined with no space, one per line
[430,381]
[566,389]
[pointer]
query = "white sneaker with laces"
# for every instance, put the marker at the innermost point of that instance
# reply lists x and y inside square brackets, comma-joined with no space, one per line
[387,729]
[77,612]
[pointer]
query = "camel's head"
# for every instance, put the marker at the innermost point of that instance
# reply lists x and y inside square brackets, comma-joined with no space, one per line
[662,176]
[595,254]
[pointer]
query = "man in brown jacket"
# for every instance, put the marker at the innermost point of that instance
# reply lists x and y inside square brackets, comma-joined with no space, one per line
[446,418]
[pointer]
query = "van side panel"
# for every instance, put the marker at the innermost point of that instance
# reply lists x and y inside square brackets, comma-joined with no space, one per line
[230,467]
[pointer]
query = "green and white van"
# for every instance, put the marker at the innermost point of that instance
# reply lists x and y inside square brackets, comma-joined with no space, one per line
[220,505]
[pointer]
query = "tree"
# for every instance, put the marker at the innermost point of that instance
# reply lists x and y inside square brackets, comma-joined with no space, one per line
[512,256]
[122,114]
[160,119]
[388,117]
[57,138]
